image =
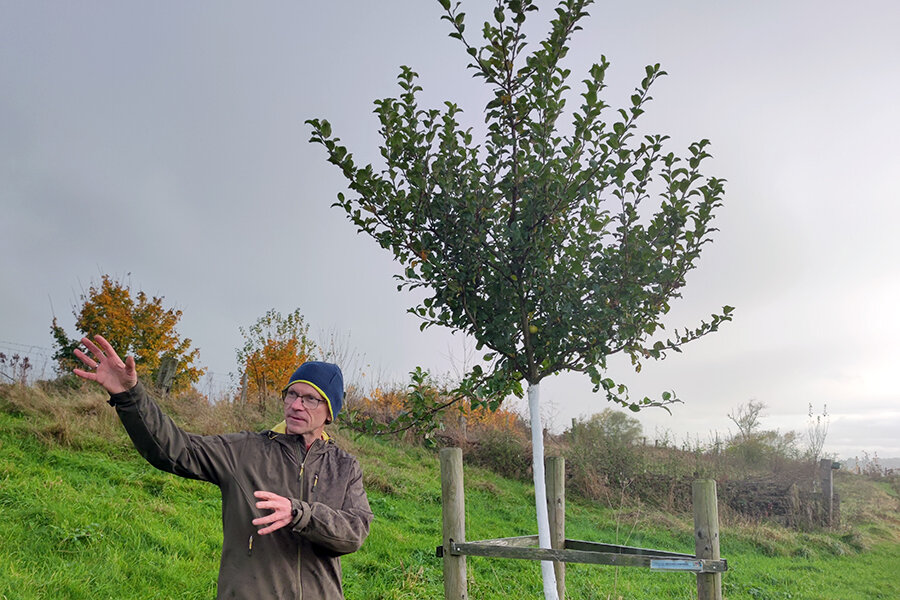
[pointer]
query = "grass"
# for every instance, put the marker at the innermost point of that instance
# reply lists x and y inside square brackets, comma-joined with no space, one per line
[82,516]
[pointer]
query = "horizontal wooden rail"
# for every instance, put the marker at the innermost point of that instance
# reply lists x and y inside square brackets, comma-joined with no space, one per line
[588,553]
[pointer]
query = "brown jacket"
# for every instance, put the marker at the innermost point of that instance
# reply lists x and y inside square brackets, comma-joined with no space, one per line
[300,561]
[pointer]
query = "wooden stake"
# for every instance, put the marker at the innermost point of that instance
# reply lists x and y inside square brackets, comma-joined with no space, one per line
[706,536]
[556,508]
[453,508]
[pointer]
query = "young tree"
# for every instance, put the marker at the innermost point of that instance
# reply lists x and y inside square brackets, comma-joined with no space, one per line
[553,250]
[816,432]
[137,325]
[747,419]
[274,346]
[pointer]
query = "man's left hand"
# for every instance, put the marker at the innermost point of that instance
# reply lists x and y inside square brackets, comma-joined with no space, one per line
[280,515]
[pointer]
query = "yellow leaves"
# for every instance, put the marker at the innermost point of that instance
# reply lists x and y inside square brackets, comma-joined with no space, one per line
[392,401]
[500,419]
[273,348]
[140,326]
[385,404]
[269,368]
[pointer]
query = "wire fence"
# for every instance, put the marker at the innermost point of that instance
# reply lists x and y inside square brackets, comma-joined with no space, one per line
[25,363]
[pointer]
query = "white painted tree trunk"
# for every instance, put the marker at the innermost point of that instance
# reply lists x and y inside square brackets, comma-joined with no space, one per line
[540,488]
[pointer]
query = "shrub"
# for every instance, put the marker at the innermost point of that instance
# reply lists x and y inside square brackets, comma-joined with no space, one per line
[274,346]
[134,324]
[503,450]
[602,453]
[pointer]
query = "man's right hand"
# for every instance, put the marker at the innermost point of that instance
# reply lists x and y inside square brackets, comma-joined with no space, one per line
[110,371]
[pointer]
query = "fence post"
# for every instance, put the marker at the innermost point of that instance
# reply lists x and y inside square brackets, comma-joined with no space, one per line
[826,476]
[166,374]
[453,508]
[706,536]
[244,389]
[555,469]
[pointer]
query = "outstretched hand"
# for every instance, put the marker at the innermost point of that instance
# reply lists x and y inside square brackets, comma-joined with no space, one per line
[110,371]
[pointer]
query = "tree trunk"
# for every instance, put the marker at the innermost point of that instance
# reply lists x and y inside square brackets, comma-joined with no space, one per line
[540,488]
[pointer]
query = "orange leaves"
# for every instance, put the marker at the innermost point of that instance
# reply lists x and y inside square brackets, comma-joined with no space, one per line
[138,325]
[387,401]
[268,368]
[273,348]
[384,404]
[500,419]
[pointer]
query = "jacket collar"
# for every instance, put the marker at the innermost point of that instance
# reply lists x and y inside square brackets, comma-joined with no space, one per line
[282,428]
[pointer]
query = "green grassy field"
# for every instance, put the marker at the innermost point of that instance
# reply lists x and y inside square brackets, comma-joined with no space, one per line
[92,520]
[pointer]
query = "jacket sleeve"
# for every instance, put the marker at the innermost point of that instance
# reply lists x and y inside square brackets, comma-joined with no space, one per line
[339,530]
[168,447]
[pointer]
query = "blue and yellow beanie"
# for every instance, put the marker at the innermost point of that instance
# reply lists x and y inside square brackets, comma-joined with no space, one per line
[326,378]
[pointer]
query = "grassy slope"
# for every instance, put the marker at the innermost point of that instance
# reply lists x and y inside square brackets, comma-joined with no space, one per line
[95,521]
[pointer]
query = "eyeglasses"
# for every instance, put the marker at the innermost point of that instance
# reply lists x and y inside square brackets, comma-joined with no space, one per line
[310,402]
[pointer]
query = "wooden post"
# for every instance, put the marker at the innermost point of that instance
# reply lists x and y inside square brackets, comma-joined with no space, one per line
[826,476]
[244,388]
[453,508]
[706,536]
[166,374]
[555,468]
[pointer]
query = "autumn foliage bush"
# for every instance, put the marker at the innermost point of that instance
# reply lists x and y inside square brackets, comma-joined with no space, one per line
[274,346]
[135,324]
[497,440]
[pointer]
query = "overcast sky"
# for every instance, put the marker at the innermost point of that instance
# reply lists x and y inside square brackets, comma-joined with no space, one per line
[163,143]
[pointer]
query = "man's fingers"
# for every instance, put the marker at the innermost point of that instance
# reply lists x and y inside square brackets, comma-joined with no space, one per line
[85,374]
[92,347]
[280,515]
[273,527]
[271,518]
[90,362]
[106,346]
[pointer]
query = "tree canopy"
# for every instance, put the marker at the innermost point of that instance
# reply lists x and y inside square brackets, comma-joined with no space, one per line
[135,324]
[553,250]
[274,346]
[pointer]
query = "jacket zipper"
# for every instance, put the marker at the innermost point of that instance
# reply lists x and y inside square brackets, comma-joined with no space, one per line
[302,499]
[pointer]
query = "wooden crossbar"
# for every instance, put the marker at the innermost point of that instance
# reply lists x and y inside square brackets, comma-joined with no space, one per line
[578,551]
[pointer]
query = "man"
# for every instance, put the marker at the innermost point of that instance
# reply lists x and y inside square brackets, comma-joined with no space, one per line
[292,501]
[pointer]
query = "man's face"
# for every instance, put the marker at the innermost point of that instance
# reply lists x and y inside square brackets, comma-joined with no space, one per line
[299,418]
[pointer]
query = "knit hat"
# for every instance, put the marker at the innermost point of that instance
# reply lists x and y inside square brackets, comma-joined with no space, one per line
[326,378]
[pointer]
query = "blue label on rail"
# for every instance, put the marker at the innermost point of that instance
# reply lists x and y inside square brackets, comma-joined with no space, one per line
[675,564]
